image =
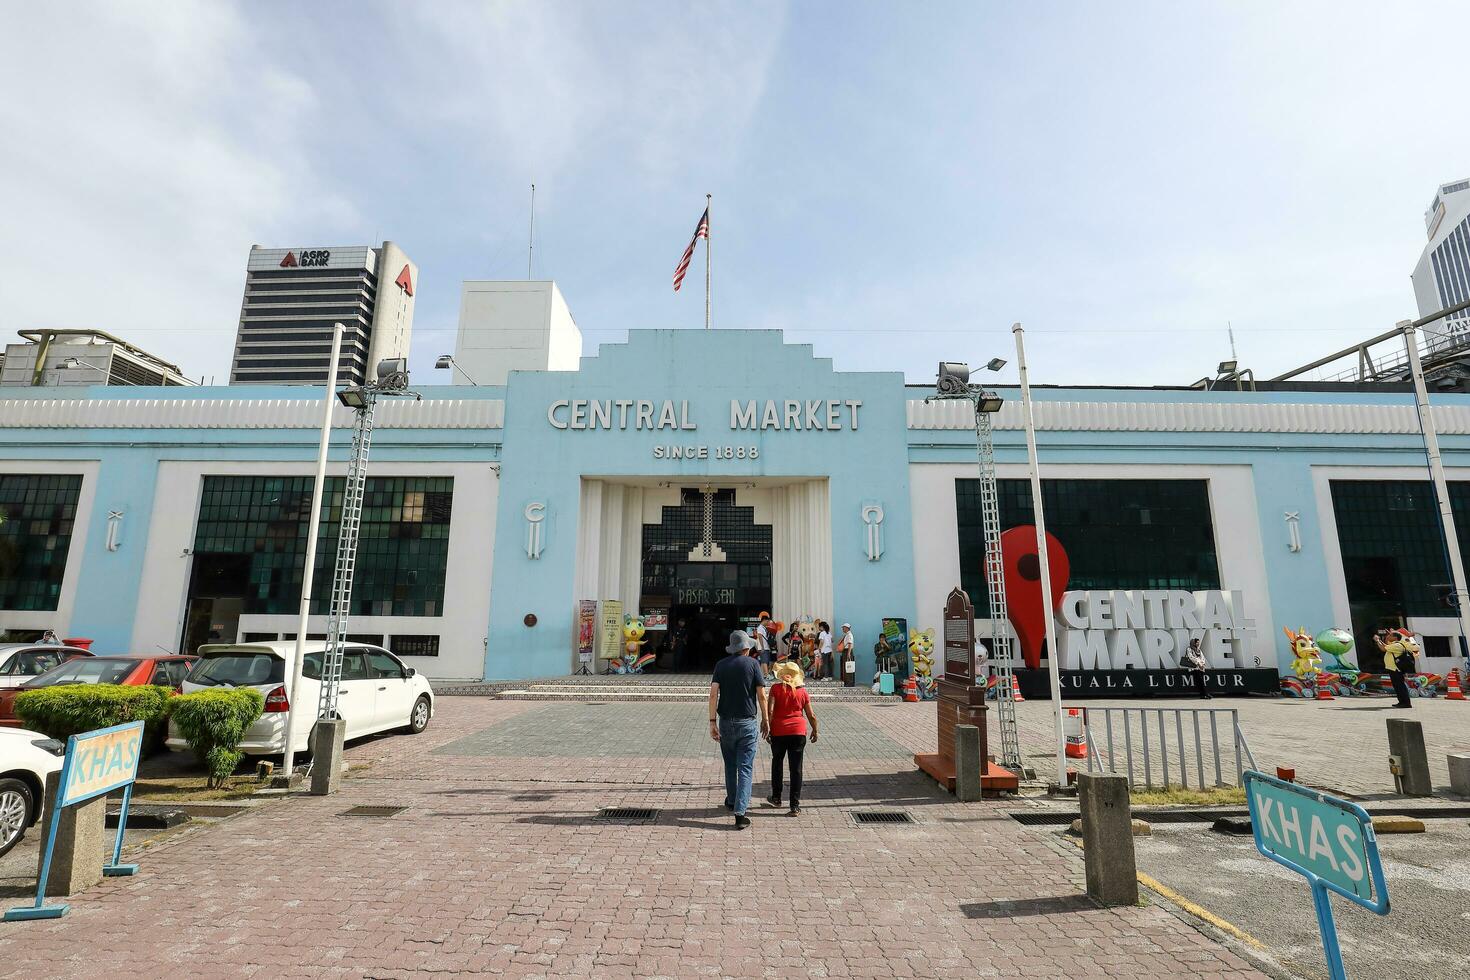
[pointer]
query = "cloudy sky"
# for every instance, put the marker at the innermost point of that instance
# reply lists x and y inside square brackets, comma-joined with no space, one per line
[893,183]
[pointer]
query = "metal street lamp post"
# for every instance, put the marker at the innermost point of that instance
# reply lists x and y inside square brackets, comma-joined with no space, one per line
[953,383]
[392,379]
[294,709]
[1053,655]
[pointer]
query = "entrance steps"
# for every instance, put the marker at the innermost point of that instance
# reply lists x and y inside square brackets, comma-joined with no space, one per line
[638,688]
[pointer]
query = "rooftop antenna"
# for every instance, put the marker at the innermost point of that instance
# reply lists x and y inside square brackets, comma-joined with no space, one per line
[531,242]
[1230,329]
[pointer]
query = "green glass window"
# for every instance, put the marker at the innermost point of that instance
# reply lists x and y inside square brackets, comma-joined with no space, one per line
[1392,548]
[250,541]
[36,517]
[1119,534]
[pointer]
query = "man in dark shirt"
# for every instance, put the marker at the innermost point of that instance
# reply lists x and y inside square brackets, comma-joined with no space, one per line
[737,694]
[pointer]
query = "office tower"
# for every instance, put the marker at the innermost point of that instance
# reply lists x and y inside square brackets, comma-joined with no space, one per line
[293,296]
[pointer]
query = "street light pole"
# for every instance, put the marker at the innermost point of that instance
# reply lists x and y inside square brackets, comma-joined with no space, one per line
[1053,656]
[953,382]
[293,708]
[1436,476]
[391,379]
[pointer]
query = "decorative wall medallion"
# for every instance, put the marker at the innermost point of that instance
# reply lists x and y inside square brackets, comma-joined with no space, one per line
[535,514]
[1294,530]
[873,520]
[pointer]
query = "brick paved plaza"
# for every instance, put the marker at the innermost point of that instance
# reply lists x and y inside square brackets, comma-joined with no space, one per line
[496,867]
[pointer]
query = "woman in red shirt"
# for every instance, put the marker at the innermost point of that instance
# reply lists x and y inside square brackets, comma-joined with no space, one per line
[791,711]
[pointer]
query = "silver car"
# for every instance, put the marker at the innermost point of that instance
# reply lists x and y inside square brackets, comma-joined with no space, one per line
[19,662]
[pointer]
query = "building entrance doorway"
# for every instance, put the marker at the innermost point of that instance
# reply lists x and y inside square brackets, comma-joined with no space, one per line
[709,564]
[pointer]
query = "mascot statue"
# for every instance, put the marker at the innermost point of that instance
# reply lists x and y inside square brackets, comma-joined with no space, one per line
[1306,664]
[633,659]
[921,654]
[1402,647]
[1338,643]
[804,644]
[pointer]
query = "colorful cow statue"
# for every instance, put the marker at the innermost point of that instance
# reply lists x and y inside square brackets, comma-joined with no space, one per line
[921,653]
[633,659]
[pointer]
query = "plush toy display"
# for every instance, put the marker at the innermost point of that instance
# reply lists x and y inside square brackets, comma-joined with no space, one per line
[633,659]
[804,644]
[921,653]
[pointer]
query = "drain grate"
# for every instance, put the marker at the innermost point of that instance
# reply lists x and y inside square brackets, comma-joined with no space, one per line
[627,814]
[865,817]
[373,811]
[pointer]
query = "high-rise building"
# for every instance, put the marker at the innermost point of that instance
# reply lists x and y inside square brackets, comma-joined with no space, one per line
[1442,277]
[293,296]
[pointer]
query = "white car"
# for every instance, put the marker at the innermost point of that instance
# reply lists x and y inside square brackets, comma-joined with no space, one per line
[378,693]
[19,662]
[26,759]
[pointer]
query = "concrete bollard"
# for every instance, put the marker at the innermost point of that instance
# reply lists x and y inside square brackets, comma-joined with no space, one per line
[967,763]
[1459,763]
[1408,759]
[1107,839]
[81,843]
[326,756]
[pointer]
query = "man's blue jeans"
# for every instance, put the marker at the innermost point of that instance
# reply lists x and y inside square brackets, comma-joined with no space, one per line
[738,738]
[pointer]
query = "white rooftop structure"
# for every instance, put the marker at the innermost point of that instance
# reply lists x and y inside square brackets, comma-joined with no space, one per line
[513,326]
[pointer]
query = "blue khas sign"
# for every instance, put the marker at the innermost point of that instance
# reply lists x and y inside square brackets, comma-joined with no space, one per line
[1327,840]
[96,763]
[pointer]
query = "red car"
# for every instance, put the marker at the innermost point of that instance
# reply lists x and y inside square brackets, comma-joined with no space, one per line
[165,670]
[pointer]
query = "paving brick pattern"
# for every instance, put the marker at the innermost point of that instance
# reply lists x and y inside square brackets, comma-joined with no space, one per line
[497,867]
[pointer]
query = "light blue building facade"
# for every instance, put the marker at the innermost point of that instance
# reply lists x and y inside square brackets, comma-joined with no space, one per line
[701,477]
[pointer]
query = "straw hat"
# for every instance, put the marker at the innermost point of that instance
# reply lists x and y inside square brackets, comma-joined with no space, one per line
[789,672]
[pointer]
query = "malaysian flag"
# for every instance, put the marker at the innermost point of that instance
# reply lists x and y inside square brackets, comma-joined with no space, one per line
[700,232]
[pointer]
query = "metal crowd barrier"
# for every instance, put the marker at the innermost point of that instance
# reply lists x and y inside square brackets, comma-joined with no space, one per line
[1150,754]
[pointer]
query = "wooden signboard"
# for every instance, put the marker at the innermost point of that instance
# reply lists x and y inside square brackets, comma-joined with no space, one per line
[959,638]
[961,701]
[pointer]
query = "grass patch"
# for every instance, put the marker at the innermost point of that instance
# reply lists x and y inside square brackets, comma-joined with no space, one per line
[1176,796]
[192,789]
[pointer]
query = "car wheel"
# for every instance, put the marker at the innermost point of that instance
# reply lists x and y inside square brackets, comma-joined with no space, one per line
[419,719]
[15,812]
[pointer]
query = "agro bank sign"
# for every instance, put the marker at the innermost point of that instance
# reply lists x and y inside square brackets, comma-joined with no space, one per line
[1150,629]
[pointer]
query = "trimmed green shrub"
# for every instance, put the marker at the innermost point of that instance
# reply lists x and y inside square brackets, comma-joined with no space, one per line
[70,709]
[213,722]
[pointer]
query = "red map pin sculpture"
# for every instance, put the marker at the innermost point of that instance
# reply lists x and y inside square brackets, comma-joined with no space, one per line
[1024,604]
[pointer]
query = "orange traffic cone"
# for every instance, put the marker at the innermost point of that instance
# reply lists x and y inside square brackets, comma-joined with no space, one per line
[1452,682]
[1323,693]
[1016,690]
[910,689]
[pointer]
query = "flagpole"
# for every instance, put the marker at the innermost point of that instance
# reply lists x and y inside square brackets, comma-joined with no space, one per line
[707,239]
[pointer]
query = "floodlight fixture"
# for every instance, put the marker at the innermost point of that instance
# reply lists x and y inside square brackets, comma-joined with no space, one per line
[445,362]
[1227,367]
[989,402]
[996,363]
[355,397]
[390,366]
